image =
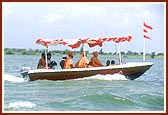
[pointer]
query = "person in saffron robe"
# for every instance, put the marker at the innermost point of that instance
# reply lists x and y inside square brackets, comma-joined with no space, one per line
[94,61]
[41,63]
[69,62]
[83,62]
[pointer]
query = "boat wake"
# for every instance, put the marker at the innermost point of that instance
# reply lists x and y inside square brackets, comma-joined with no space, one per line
[14,79]
[108,77]
[19,104]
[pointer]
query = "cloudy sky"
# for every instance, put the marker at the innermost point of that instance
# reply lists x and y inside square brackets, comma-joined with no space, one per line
[24,23]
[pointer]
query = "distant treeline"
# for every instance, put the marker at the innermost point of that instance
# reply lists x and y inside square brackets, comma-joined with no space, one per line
[16,51]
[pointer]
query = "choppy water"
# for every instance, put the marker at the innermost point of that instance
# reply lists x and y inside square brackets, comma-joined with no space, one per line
[96,93]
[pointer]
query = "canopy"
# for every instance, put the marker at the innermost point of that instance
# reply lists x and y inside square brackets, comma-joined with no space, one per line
[49,42]
[75,43]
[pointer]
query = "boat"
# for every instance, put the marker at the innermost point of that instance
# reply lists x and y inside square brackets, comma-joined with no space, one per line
[130,70]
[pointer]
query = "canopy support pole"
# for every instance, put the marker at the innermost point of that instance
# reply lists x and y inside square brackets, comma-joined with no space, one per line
[46,56]
[144,49]
[118,54]
[116,50]
[83,45]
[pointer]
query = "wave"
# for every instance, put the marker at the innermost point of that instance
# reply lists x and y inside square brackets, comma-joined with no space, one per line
[14,79]
[19,104]
[108,77]
[94,102]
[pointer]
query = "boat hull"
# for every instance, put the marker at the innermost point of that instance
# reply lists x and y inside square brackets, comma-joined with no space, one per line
[131,72]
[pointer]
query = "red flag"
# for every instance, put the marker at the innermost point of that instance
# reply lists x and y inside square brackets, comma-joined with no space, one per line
[147,26]
[145,36]
[145,31]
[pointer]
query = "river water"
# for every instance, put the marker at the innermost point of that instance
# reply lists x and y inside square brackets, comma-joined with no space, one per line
[99,93]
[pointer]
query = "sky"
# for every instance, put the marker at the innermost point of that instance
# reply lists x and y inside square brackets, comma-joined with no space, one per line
[24,23]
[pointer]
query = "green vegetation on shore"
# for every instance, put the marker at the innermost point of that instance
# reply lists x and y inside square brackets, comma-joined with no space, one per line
[128,54]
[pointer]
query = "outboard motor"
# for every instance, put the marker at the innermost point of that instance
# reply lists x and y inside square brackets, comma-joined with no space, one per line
[24,71]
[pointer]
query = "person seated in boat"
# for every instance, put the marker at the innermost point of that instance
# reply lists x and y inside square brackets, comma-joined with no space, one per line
[51,64]
[112,62]
[64,57]
[83,61]
[95,62]
[69,61]
[41,63]
[48,58]
[108,63]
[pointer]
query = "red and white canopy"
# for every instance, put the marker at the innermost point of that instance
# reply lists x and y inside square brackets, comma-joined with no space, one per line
[49,42]
[75,43]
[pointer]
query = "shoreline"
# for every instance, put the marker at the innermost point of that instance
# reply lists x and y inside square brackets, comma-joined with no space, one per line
[102,55]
